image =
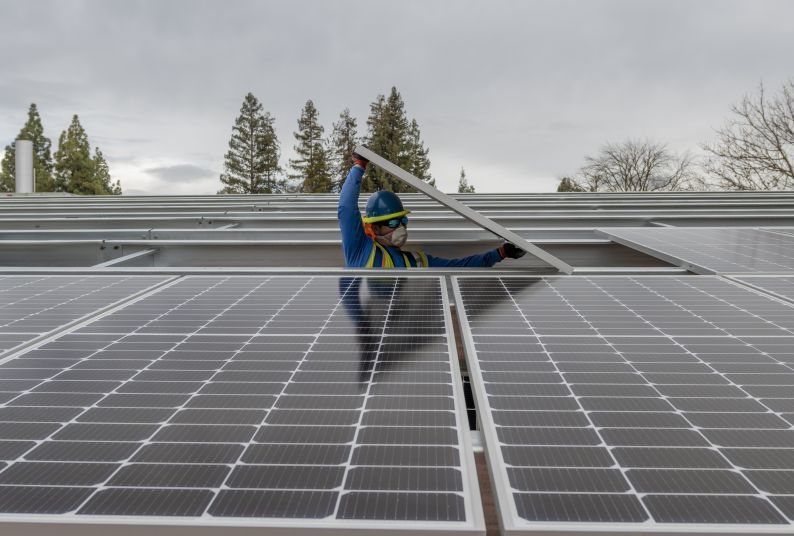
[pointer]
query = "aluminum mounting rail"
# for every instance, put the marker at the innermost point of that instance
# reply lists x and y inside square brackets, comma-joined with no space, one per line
[468,213]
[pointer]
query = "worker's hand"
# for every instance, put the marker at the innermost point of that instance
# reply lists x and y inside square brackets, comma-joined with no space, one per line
[511,251]
[359,160]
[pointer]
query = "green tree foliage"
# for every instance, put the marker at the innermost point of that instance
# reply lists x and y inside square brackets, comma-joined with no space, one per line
[312,166]
[419,161]
[42,156]
[102,174]
[567,184]
[344,139]
[251,163]
[394,137]
[463,185]
[76,171]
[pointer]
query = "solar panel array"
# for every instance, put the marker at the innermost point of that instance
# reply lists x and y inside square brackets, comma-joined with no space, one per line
[633,403]
[712,250]
[781,286]
[33,306]
[321,402]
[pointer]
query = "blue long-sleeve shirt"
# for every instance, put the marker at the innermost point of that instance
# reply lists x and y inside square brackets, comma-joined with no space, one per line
[357,246]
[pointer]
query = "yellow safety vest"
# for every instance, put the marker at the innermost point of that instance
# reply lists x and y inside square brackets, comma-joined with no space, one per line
[420,259]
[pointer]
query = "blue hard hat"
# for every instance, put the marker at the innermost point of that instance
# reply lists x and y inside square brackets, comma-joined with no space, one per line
[382,206]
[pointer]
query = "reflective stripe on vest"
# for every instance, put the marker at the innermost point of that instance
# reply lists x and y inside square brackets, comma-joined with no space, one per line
[385,261]
[419,258]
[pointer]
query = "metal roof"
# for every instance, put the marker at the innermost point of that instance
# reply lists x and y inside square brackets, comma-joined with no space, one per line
[275,231]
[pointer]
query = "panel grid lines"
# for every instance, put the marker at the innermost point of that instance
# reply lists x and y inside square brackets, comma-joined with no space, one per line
[683,415]
[366,395]
[146,441]
[33,306]
[94,405]
[617,399]
[716,250]
[557,369]
[237,397]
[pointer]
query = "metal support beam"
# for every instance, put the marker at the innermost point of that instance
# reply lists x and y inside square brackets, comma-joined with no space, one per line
[126,258]
[463,210]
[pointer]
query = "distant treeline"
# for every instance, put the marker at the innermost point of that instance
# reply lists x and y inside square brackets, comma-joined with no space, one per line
[252,162]
[753,150]
[73,168]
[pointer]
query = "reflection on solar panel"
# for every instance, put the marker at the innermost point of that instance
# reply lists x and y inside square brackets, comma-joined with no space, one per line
[712,250]
[649,403]
[299,402]
[32,306]
[780,286]
[782,230]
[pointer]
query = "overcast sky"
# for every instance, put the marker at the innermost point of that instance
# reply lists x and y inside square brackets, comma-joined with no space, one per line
[517,92]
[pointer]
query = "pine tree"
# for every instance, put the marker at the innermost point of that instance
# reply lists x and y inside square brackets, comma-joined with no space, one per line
[344,139]
[463,185]
[312,166]
[391,135]
[418,160]
[76,171]
[387,136]
[42,156]
[251,163]
[102,174]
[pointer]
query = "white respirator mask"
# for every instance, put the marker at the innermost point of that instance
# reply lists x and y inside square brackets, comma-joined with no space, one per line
[396,238]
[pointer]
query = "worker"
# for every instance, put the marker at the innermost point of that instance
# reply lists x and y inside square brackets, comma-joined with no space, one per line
[376,239]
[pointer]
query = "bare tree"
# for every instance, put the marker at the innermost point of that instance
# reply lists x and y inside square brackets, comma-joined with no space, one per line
[636,166]
[754,150]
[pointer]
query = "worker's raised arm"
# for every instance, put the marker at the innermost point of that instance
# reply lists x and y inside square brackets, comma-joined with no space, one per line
[354,241]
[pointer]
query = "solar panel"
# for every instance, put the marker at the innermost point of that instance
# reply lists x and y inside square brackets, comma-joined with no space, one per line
[711,250]
[293,402]
[33,306]
[778,285]
[639,404]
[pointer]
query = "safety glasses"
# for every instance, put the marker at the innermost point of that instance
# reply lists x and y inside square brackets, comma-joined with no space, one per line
[396,222]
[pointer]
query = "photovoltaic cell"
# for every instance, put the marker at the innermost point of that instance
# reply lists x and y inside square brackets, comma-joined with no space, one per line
[661,403]
[33,306]
[331,402]
[712,250]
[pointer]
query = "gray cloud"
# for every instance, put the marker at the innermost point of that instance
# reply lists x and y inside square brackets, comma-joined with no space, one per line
[180,173]
[517,92]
